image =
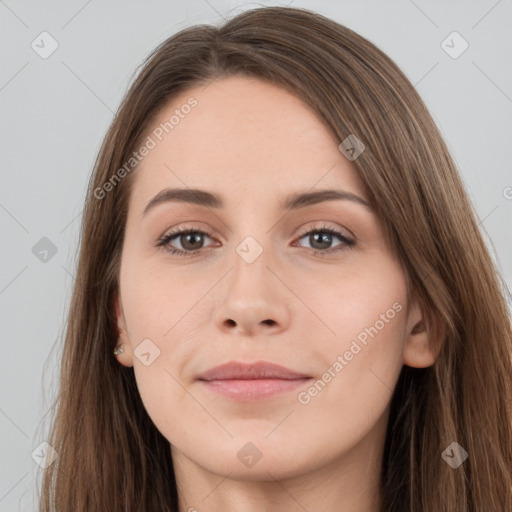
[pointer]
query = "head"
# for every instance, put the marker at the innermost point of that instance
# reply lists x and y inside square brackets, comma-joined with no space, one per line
[276,103]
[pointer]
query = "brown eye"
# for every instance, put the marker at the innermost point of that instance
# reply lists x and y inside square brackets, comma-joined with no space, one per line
[190,240]
[321,239]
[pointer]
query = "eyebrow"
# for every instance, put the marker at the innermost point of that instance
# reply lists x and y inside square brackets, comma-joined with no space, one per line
[292,202]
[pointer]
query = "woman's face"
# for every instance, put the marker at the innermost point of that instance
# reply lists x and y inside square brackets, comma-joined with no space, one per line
[309,284]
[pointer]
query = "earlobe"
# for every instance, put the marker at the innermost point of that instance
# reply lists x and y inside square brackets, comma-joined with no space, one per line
[424,340]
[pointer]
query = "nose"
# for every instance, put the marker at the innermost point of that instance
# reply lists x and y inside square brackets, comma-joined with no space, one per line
[254,301]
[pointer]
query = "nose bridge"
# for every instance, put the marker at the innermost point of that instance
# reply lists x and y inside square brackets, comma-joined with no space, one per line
[254,252]
[252,236]
[250,262]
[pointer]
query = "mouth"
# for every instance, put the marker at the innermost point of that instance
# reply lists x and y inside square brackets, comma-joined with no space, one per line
[250,382]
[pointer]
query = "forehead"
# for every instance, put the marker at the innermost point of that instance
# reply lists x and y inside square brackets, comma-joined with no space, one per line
[242,135]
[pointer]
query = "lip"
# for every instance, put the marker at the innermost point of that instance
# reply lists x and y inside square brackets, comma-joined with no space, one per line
[252,381]
[246,371]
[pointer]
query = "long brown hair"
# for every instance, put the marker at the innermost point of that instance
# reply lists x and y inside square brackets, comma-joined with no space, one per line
[112,457]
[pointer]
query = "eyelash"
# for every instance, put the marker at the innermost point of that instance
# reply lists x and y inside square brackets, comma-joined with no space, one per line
[165,240]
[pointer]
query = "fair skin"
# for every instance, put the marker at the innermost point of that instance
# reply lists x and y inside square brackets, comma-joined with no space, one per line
[253,144]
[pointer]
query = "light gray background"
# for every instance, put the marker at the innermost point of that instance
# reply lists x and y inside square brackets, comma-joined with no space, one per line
[55,112]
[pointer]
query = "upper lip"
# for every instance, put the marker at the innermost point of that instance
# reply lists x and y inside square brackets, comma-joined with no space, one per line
[247,371]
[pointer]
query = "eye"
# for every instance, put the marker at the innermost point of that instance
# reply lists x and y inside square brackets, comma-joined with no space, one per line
[321,237]
[190,240]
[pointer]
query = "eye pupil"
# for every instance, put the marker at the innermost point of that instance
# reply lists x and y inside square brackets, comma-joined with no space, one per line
[324,239]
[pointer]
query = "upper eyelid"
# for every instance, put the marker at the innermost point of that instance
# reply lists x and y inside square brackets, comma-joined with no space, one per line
[308,229]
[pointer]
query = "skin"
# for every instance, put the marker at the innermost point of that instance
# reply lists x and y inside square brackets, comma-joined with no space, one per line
[255,143]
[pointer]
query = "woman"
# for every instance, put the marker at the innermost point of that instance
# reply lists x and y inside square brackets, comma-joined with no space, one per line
[283,301]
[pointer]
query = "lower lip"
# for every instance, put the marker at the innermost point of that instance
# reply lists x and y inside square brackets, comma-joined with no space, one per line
[253,389]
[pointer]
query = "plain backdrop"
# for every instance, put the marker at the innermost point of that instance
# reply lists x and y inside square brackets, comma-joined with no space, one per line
[56,109]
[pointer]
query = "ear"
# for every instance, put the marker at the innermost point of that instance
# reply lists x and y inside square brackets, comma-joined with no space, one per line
[125,357]
[425,337]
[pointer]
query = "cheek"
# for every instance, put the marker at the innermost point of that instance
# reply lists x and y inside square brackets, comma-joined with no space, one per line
[169,308]
[158,297]
[365,301]
[359,340]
